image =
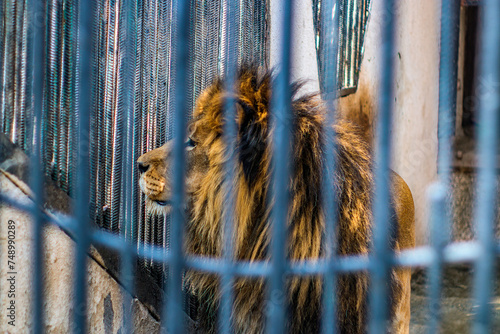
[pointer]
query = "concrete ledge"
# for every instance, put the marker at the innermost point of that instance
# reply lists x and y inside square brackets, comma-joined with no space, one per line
[106,298]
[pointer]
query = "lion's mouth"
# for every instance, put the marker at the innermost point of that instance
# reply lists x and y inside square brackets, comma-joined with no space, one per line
[152,190]
[158,207]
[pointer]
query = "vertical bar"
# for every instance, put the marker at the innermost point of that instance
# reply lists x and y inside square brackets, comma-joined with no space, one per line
[37,8]
[380,266]
[82,195]
[282,122]
[439,238]
[330,33]
[230,11]
[448,60]
[127,44]
[138,212]
[450,26]
[440,220]
[172,312]
[488,145]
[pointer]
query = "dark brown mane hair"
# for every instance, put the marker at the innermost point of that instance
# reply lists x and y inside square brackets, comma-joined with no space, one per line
[306,229]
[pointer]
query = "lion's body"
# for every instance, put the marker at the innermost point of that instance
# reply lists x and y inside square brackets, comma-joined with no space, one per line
[206,161]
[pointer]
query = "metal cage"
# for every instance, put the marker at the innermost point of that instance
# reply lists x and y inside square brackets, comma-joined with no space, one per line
[174,65]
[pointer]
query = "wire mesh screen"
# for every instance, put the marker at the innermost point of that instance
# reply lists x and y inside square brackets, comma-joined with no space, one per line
[152,101]
[153,95]
[16,80]
[60,94]
[353,19]
[59,118]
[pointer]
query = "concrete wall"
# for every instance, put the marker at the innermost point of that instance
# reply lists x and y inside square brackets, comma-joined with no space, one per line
[416,61]
[303,52]
[417,94]
[106,298]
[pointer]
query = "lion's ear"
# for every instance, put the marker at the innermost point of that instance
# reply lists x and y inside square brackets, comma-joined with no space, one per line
[251,141]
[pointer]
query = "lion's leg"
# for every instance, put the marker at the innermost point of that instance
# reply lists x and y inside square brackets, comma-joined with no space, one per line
[405,212]
[401,320]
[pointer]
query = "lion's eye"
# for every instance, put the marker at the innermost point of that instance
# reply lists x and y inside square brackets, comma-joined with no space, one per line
[190,144]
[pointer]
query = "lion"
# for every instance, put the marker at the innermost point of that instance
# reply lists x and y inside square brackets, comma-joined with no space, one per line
[206,158]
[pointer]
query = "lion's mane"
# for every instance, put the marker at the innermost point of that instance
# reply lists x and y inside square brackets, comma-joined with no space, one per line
[306,229]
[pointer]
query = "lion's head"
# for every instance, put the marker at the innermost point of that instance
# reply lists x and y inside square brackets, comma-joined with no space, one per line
[155,170]
[206,156]
[206,181]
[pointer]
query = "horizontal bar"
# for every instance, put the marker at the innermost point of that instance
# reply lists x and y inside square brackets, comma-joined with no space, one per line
[248,269]
[155,253]
[417,257]
[62,221]
[423,256]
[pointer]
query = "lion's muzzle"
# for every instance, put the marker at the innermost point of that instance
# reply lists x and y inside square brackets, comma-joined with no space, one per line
[151,186]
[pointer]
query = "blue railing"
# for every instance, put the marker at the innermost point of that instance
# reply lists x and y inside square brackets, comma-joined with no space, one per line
[482,252]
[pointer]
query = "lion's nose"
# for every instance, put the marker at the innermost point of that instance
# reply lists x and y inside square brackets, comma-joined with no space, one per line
[143,167]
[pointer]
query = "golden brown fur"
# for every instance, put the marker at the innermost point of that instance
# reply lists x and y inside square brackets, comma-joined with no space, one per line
[206,156]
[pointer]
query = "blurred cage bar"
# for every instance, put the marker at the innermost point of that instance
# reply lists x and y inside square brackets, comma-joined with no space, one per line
[154,45]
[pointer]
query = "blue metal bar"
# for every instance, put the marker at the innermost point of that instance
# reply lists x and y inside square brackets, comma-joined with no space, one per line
[127,13]
[173,307]
[109,240]
[437,194]
[37,7]
[381,205]
[448,60]
[424,256]
[488,130]
[282,122]
[440,220]
[230,11]
[329,27]
[81,204]
[418,257]
[459,252]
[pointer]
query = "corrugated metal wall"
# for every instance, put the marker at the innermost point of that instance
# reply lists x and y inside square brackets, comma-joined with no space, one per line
[353,18]
[15,64]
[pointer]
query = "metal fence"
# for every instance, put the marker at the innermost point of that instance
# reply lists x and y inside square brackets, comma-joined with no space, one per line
[482,252]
